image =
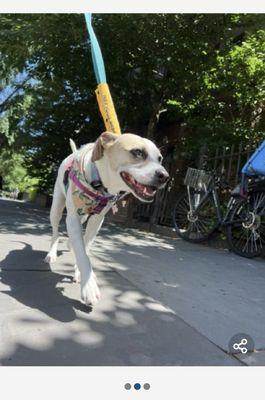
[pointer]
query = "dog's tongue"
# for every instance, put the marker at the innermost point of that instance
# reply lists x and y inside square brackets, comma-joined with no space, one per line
[143,188]
[139,185]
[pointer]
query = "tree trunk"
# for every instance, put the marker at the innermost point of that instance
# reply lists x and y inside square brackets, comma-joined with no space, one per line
[153,120]
[154,117]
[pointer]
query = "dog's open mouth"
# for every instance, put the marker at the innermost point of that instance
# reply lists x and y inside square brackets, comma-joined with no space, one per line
[144,192]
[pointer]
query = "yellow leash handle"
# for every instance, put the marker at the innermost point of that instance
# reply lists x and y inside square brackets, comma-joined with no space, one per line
[107,108]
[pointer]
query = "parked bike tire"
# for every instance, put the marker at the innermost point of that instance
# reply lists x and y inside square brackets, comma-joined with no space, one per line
[200,230]
[247,239]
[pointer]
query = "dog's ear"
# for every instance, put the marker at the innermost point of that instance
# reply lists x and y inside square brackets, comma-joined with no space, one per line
[105,140]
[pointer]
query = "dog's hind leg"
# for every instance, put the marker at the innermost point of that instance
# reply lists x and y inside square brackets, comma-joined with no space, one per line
[58,205]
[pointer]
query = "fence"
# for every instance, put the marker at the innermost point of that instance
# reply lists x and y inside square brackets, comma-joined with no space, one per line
[227,161]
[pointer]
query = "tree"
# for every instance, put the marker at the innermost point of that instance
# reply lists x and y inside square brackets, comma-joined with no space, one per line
[14,173]
[230,105]
[207,71]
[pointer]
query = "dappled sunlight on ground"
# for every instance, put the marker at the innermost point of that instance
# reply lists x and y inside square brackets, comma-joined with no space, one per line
[43,321]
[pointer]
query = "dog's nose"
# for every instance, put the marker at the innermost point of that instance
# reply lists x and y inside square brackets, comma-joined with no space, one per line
[161,176]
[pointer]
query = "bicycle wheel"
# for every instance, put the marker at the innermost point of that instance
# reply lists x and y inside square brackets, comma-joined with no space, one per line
[199,226]
[246,231]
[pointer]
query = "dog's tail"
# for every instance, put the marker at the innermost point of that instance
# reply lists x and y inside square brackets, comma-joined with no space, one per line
[73,145]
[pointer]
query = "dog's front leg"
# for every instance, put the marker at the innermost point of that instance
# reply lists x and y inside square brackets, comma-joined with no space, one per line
[89,289]
[93,225]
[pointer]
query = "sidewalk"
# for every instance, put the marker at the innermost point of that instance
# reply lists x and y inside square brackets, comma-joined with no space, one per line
[164,302]
[214,291]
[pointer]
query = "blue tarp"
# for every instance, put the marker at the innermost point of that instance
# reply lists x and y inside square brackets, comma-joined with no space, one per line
[256,164]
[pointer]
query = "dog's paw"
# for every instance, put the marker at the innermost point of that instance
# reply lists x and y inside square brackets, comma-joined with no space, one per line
[77,276]
[50,258]
[90,294]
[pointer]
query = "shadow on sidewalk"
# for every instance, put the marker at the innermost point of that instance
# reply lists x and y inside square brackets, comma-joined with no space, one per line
[36,288]
[127,329]
[44,326]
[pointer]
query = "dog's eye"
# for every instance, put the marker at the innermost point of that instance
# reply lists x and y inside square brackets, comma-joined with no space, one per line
[138,153]
[160,158]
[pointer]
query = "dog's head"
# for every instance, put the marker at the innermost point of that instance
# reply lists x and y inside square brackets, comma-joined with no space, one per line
[133,164]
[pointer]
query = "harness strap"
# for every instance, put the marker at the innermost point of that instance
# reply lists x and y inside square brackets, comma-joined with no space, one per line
[85,190]
[93,200]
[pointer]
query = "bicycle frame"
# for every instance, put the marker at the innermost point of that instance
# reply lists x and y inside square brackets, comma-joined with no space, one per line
[201,198]
[197,200]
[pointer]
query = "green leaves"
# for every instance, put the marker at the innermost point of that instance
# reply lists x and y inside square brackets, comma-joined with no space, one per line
[205,70]
[228,100]
[15,174]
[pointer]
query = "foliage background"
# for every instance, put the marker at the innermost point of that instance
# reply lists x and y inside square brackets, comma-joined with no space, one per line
[180,79]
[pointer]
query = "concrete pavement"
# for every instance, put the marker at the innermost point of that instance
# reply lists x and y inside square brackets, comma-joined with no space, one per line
[214,291]
[164,302]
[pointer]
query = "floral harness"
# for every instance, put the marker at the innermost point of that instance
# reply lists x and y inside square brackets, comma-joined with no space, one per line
[89,198]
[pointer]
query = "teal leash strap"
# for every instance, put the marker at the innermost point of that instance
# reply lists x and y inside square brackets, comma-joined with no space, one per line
[97,58]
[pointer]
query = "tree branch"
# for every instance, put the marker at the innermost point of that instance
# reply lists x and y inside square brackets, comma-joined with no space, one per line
[6,101]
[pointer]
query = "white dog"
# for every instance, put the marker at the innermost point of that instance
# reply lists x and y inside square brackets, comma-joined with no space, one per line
[89,183]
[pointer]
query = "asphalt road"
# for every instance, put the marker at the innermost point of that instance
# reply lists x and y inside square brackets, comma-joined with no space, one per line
[164,302]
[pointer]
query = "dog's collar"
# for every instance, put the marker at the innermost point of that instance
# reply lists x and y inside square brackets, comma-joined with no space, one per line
[88,190]
[96,181]
[97,184]
[93,189]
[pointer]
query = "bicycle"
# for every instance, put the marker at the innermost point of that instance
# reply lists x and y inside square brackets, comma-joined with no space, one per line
[198,212]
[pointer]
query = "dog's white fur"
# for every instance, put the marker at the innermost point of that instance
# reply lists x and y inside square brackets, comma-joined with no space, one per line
[112,155]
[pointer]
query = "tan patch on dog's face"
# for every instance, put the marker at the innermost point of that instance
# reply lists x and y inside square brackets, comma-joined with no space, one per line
[127,149]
